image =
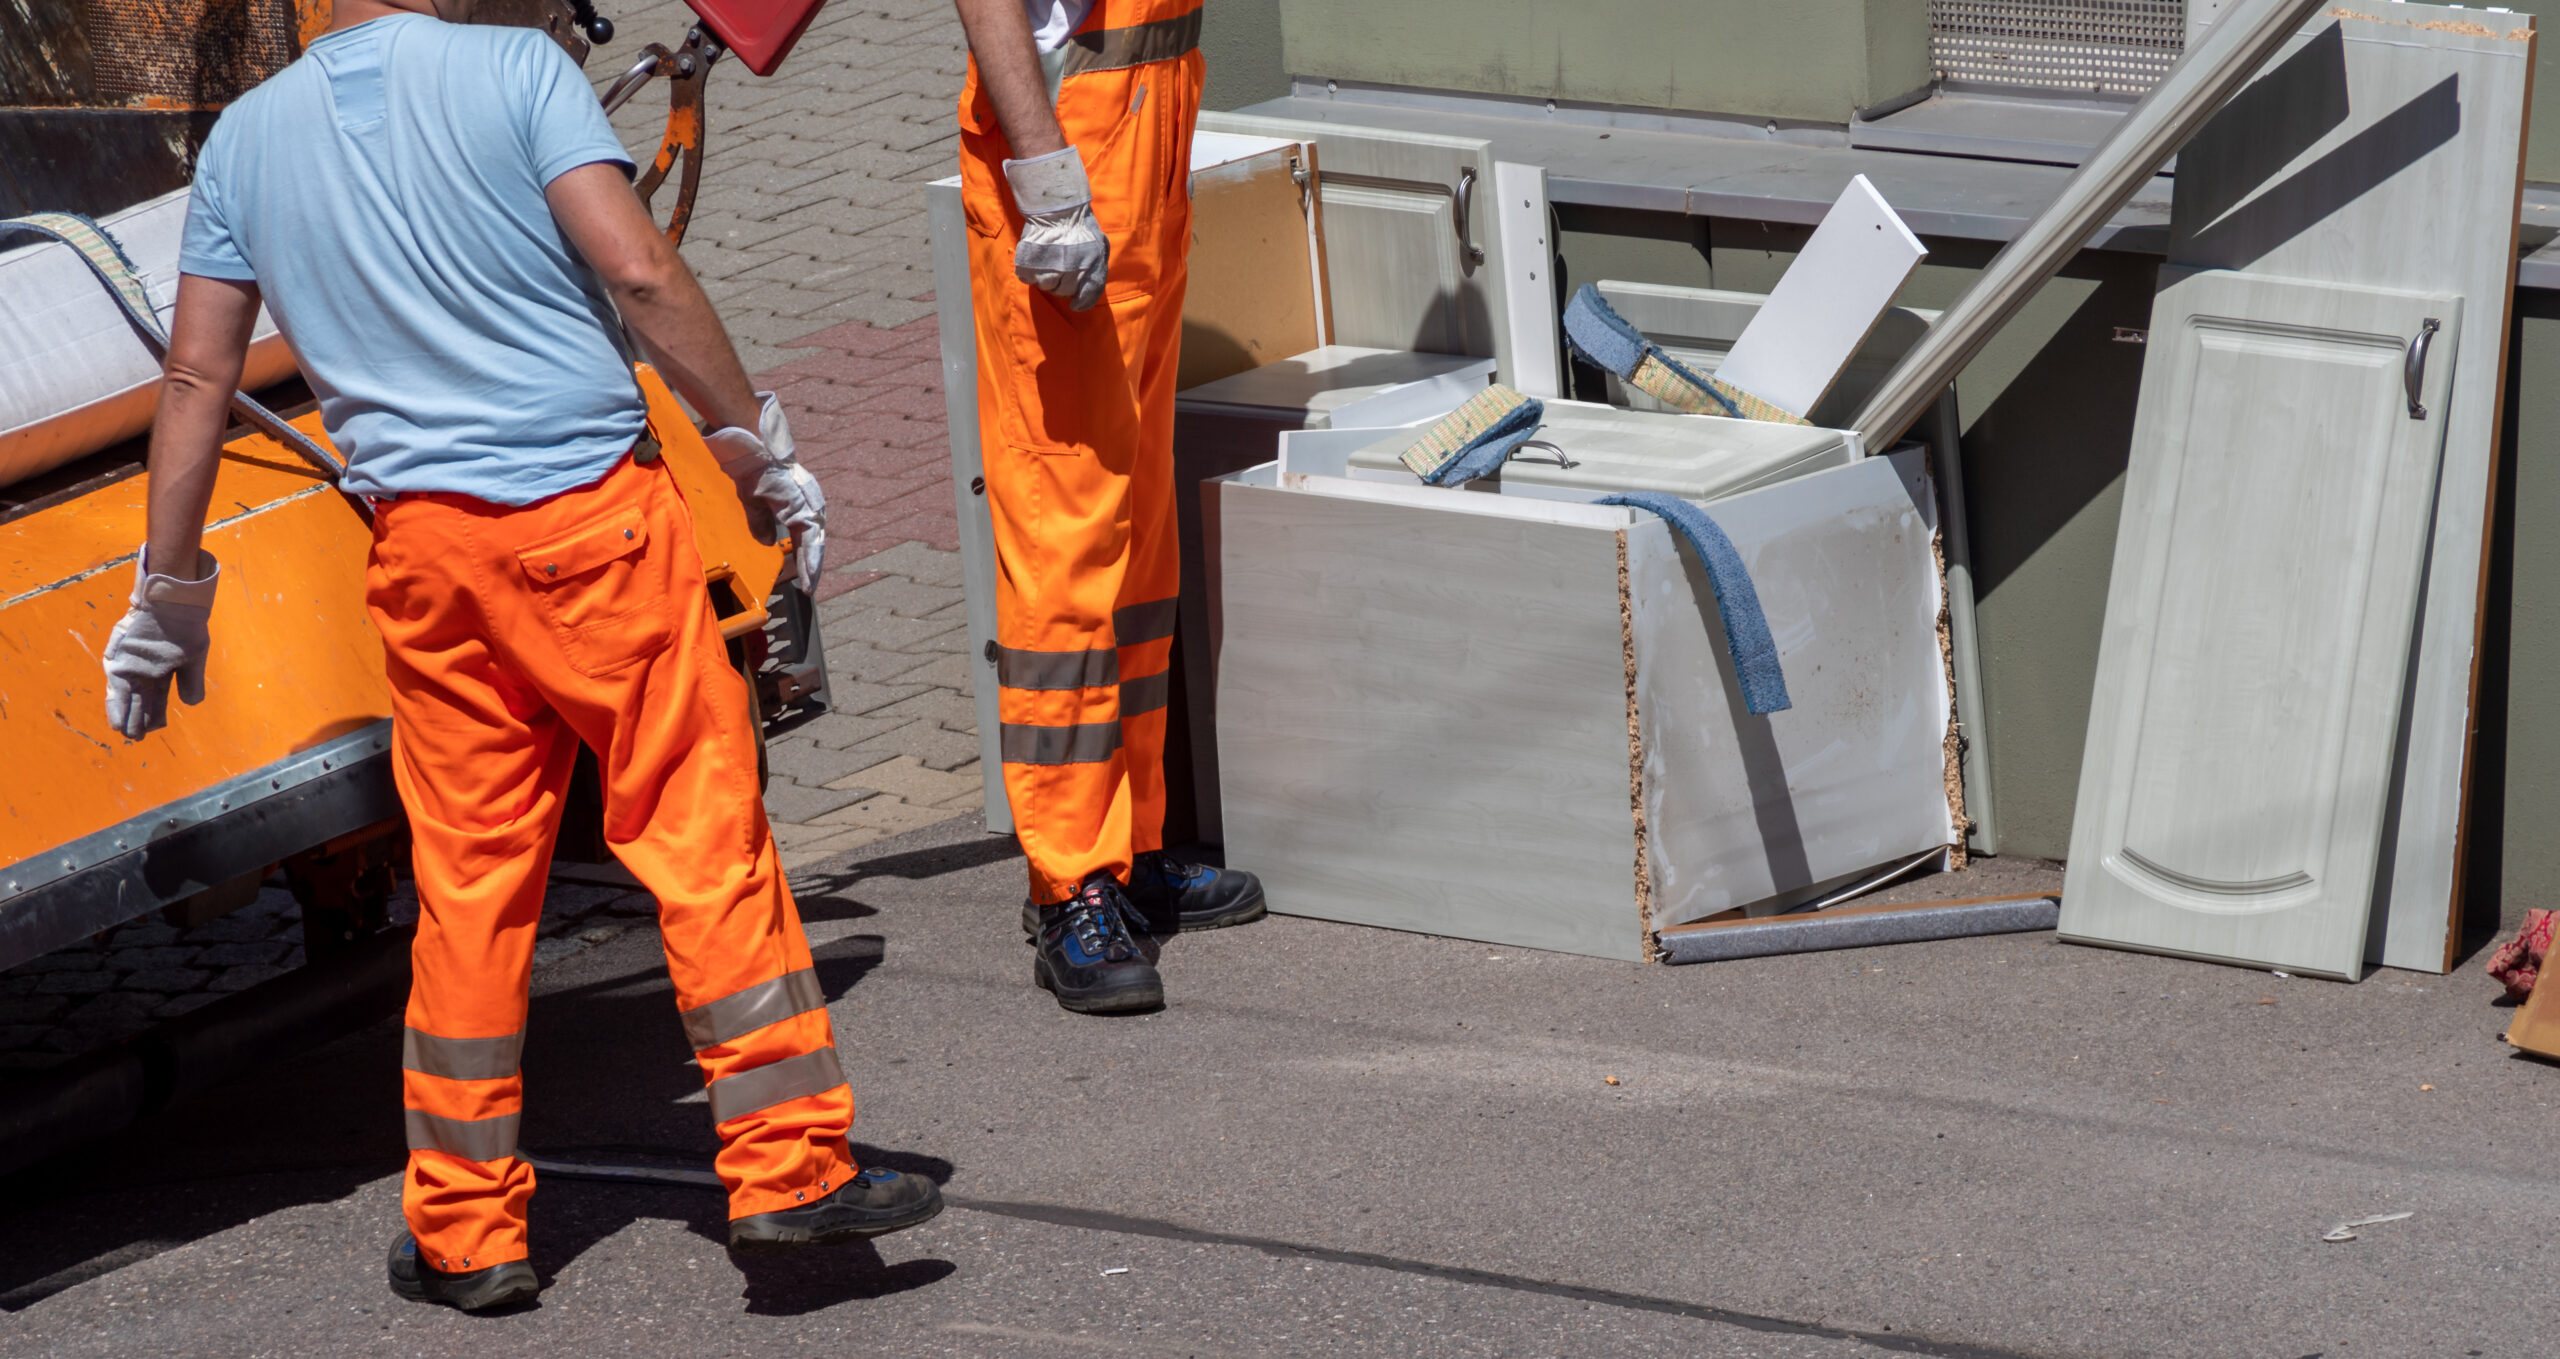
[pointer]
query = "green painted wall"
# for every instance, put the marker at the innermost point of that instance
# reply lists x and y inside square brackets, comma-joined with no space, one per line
[1240,43]
[1810,60]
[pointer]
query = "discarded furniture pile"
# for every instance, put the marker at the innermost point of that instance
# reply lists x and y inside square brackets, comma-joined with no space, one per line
[1633,620]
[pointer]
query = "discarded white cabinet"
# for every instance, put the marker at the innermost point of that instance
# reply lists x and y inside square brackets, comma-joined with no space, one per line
[2256,647]
[1411,236]
[1509,717]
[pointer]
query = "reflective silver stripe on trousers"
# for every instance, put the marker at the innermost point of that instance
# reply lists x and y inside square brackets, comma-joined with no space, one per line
[1114,49]
[1145,622]
[774,1082]
[743,1012]
[1094,669]
[461,1059]
[1146,693]
[485,1139]
[1084,743]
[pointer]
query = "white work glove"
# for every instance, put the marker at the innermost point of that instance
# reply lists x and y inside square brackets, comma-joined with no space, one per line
[1063,251]
[781,496]
[161,637]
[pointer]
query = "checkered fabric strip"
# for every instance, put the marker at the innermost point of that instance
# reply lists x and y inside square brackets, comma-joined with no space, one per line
[1461,427]
[105,258]
[1656,378]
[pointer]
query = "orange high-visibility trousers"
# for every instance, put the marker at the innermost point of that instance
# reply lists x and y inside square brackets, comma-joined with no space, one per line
[513,634]
[1075,419]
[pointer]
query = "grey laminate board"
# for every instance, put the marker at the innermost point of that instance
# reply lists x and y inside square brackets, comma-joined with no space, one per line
[2250,672]
[1423,717]
[948,224]
[1762,812]
[2385,150]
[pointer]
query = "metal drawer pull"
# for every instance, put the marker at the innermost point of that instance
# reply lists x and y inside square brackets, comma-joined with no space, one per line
[1561,459]
[1466,196]
[2413,373]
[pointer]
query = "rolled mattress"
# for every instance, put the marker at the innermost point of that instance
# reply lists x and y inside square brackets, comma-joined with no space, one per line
[74,375]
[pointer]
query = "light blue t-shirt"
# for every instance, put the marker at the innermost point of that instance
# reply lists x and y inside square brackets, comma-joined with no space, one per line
[385,194]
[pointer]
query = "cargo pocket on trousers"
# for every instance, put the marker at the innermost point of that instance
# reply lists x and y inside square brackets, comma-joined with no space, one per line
[605,593]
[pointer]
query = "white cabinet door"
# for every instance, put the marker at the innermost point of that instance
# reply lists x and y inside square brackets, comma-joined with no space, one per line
[2257,639]
[1409,223]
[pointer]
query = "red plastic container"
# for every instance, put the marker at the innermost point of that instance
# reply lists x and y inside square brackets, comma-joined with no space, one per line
[759,32]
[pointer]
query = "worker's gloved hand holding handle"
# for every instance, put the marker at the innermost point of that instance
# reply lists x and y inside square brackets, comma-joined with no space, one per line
[161,637]
[781,496]
[1063,251]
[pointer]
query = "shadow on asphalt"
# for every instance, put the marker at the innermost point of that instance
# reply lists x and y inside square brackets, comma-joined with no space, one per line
[606,1068]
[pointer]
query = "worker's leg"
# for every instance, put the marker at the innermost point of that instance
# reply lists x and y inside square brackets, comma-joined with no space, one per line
[605,607]
[1058,428]
[481,763]
[1151,349]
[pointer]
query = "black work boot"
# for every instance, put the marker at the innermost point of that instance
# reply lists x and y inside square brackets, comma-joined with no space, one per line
[474,1290]
[1173,897]
[1177,897]
[875,1202]
[1088,956]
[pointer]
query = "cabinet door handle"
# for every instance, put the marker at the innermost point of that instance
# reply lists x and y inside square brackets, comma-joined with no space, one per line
[1466,196]
[2413,372]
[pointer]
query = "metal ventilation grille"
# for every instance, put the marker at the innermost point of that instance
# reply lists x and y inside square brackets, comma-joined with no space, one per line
[2118,47]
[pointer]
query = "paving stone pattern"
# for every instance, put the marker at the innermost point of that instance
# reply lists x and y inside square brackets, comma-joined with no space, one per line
[809,236]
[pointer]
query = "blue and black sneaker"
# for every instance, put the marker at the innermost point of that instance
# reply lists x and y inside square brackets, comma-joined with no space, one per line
[1088,954]
[1174,897]
[1177,897]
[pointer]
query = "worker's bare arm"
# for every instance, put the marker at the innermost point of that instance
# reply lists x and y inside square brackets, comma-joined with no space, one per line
[1009,68]
[208,343]
[660,299]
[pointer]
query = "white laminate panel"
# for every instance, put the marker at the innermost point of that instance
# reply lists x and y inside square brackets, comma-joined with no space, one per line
[1831,296]
[1422,717]
[1760,812]
[2256,643]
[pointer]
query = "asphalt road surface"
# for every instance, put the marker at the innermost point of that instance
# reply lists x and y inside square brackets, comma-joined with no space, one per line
[1348,1141]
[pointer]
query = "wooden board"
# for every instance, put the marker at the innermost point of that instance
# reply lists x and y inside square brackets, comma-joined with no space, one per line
[2385,148]
[2536,1027]
[1826,303]
[1252,295]
[2233,790]
[1768,812]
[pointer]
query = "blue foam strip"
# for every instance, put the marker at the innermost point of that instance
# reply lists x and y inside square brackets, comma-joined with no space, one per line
[1746,628]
